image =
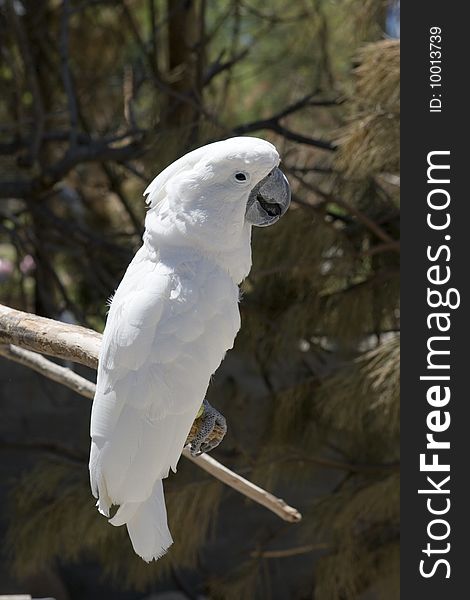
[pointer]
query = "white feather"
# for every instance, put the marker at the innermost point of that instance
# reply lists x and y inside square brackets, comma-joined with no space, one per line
[171,321]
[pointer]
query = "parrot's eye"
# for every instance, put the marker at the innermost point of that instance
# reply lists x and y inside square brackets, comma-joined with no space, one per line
[241,177]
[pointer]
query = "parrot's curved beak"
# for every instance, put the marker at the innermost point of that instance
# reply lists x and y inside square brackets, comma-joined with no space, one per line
[269,199]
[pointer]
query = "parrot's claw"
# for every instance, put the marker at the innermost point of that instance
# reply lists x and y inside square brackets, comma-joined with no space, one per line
[211,431]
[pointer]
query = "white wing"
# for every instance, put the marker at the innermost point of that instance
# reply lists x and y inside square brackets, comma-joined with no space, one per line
[168,329]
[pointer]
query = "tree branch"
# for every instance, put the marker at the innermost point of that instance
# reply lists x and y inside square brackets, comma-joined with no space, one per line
[288,552]
[97,151]
[273,123]
[369,223]
[31,72]
[276,127]
[66,73]
[49,369]
[218,66]
[245,487]
[71,342]
[62,340]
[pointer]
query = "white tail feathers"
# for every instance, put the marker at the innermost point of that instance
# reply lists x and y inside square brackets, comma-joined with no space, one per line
[146,521]
[147,524]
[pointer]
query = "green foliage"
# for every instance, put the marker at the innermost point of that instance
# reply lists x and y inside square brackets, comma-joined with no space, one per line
[370,144]
[313,408]
[362,396]
[366,552]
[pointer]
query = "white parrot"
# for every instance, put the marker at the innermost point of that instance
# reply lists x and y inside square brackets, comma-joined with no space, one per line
[171,321]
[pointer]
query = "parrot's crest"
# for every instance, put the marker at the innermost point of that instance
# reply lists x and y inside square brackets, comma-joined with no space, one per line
[200,202]
[242,146]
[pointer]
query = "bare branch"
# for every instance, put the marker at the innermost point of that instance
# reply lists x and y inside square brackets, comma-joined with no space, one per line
[273,124]
[218,67]
[348,467]
[38,104]
[245,487]
[276,127]
[55,450]
[152,17]
[117,188]
[62,340]
[65,71]
[49,369]
[95,151]
[288,552]
[369,223]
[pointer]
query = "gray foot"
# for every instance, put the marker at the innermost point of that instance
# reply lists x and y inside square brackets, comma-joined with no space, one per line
[211,431]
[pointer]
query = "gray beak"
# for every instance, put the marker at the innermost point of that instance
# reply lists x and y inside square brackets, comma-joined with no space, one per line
[269,199]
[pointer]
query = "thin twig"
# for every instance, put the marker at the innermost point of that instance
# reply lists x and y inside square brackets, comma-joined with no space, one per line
[65,72]
[348,467]
[97,151]
[54,450]
[287,552]
[49,369]
[273,123]
[369,223]
[31,72]
[219,67]
[276,127]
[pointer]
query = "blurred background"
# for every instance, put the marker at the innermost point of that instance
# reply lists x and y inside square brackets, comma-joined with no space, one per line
[97,97]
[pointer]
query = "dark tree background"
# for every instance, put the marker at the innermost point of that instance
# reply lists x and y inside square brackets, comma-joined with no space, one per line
[97,96]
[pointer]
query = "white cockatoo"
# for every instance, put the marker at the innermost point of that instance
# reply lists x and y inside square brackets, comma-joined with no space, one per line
[171,321]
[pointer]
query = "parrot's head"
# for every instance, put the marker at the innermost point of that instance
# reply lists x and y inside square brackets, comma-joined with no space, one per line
[219,191]
[234,179]
[243,174]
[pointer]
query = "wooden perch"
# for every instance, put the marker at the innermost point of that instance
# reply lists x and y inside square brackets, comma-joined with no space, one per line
[21,333]
[62,340]
[245,487]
